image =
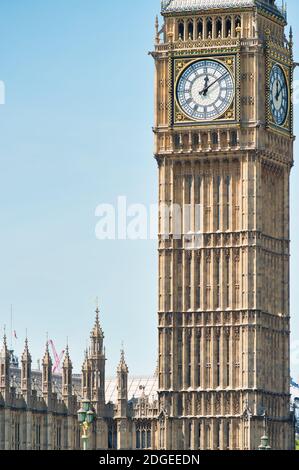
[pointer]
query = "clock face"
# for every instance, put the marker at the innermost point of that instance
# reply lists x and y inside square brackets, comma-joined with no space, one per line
[205,90]
[279,99]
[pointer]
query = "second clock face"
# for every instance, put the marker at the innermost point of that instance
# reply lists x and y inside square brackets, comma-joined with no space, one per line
[205,90]
[278,95]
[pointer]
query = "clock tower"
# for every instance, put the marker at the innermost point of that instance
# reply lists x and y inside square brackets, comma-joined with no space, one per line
[224,146]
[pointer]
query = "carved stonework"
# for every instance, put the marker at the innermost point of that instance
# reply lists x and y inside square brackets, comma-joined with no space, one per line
[198,407]
[218,405]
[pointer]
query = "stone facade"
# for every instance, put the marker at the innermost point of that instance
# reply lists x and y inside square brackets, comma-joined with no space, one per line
[38,411]
[223,321]
[224,326]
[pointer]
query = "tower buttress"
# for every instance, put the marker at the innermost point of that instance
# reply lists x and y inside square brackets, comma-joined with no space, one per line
[93,370]
[86,394]
[47,376]
[26,373]
[122,387]
[67,385]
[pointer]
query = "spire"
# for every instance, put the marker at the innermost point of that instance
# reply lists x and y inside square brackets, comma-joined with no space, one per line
[47,358]
[85,376]
[94,368]
[67,385]
[122,386]
[85,362]
[4,345]
[26,373]
[96,338]
[5,369]
[122,367]
[97,331]
[67,363]
[47,374]
[26,356]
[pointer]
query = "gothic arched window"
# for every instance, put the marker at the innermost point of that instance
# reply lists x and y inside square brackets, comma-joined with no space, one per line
[200,28]
[228,26]
[181,30]
[218,435]
[143,439]
[227,184]
[237,21]
[190,29]
[209,27]
[177,141]
[138,439]
[218,197]
[208,436]
[195,139]
[215,138]
[149,439]
[233,138]
[219,27]
[188,354]
[199,436]
[218,359]
[190,435]
[227,435]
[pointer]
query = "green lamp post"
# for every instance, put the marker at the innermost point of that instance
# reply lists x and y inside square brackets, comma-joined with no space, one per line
[265,439]
[86,417]
[264,443]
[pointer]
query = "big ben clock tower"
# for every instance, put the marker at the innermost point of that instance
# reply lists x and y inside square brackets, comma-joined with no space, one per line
[224,145]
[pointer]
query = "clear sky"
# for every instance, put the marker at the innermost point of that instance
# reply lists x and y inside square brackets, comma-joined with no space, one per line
[76,132]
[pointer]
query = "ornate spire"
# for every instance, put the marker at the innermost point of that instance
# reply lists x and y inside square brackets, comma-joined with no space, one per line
[47,374]
[4,345]
[122,367]
[122,385]
[5,369]
[85,361]
[67,386]
[26,356]
[67,362]
[26,373]
[47,360]
[97,331]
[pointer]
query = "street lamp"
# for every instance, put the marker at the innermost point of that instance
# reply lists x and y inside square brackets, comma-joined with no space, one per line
[265,439]
[86,417]
[264,443]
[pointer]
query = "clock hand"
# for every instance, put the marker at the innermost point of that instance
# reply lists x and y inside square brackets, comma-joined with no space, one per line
[278,91]
[206,88]
[206,80]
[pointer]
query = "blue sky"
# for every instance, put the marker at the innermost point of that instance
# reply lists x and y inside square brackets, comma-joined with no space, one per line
[76,132]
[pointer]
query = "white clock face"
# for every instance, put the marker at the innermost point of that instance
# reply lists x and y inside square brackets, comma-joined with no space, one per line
[279,99]
[205,90]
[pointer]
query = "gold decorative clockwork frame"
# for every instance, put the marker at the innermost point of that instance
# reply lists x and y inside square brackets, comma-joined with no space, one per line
[179,63]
